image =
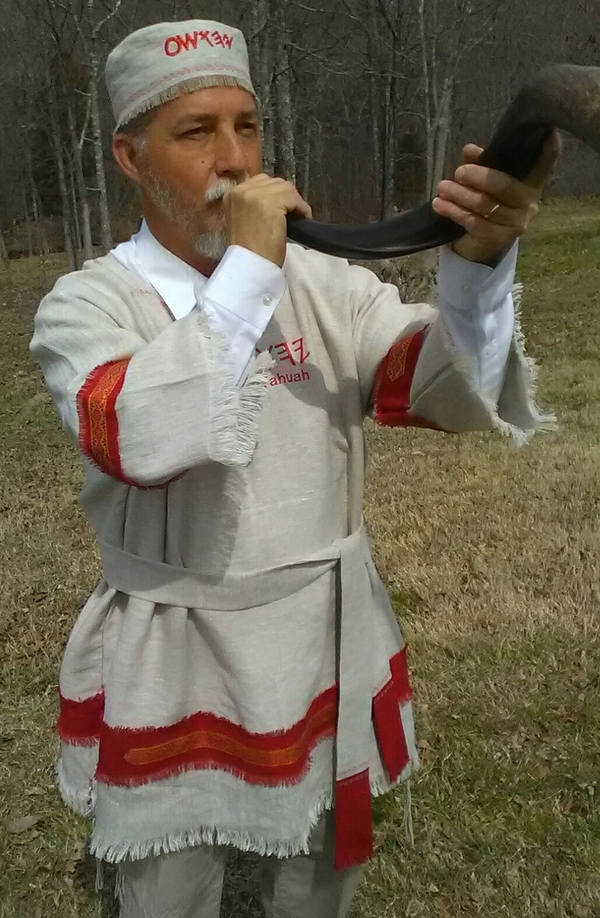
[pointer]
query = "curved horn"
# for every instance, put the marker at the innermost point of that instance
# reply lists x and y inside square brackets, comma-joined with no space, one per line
[563,96]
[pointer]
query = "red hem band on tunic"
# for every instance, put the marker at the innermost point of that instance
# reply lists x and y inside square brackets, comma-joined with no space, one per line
[133,757]
[80,722]
[98,423]
[393,381]
[130,757]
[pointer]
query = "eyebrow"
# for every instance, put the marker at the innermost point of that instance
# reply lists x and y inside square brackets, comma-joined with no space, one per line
[200,117]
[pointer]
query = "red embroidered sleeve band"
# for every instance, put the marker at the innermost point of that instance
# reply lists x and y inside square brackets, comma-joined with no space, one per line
[393,381]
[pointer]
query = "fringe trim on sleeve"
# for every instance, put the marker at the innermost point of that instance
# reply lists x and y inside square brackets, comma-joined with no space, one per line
[544,421]
[235,412]
[541,422]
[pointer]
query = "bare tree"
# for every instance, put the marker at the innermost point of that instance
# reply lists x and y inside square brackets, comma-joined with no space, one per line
[449,30]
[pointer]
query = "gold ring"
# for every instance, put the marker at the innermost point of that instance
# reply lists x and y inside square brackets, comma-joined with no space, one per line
[492,211]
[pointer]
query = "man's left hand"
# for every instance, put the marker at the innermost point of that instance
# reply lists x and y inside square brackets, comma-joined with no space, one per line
[494,208]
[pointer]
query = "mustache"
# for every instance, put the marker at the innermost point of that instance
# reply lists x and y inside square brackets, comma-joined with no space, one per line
[221,188]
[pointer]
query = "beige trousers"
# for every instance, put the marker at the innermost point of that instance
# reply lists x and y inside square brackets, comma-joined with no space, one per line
[188,884]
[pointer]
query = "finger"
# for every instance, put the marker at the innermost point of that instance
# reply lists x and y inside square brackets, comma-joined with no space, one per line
[477,202]
[546,164]
[263,179]
[501,187]
[471,153]
[492,233]
[302,209]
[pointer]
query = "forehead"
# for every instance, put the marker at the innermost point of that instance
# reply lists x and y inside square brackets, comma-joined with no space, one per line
[214,101]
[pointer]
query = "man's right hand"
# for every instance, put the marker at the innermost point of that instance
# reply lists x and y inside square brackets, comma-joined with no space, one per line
[255,215]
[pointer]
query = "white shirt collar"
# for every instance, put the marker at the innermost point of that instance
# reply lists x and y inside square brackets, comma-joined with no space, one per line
[175,281]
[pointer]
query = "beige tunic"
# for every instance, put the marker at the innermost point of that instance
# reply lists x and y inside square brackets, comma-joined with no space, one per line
[200,682]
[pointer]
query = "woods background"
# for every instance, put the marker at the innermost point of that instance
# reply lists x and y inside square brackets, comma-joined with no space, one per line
[365,102]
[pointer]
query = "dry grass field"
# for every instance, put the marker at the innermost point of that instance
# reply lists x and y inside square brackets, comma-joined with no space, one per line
[492,556]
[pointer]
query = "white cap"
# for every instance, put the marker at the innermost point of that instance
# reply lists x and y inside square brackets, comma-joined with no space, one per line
[157,63]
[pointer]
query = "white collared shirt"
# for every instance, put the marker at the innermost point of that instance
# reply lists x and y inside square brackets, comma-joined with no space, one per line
[475,301]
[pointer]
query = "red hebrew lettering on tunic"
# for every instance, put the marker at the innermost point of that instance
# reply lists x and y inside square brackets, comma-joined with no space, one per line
[284,352]
[293,351]
[298,348]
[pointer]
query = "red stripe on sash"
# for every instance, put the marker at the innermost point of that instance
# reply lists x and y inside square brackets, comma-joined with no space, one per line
[80,722]
[393,381]
[400,676]
[390,732]
[353,823]
[389,728]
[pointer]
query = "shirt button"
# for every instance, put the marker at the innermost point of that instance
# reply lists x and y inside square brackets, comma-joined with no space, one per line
[488,349]
[267,299]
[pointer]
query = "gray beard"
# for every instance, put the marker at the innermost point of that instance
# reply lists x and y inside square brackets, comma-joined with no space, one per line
[212,243]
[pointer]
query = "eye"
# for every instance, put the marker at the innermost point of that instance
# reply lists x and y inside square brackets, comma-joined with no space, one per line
[249,127]
[200,131]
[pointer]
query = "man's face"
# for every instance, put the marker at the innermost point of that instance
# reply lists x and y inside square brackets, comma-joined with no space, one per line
[196,147]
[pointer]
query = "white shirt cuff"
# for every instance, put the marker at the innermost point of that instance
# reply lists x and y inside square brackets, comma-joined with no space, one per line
[239,299]
[477,308]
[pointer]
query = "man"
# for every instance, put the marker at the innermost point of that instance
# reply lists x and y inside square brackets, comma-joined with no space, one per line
[238,677]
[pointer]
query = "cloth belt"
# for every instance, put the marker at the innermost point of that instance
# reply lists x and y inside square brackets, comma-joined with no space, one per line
[166,585]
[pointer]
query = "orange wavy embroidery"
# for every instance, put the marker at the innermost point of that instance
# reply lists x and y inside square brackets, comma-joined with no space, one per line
[213,741]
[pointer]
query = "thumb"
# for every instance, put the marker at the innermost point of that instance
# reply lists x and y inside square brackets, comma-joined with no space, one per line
[546,164]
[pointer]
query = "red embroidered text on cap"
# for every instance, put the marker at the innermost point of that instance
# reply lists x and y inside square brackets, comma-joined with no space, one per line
[178,43]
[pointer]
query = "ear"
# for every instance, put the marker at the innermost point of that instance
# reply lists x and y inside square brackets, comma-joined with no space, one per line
[126,156]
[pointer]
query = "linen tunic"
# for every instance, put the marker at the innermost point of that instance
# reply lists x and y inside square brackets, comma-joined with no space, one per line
[239,668]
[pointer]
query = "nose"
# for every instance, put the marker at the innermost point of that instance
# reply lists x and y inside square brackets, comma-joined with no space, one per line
[229,158]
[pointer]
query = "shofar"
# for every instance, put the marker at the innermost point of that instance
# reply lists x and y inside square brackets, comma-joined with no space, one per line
[563,96]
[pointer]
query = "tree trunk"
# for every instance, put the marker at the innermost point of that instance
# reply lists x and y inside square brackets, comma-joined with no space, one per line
[443,123]
[305,180]
[105,230]
[40,246]
[39,212]
[261,59]
[375,100]
[375,103]
[3,249]
[389,148]
[62,179]
[75,223]
[283,114]
[86,228]
[27,223]
[286,153]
